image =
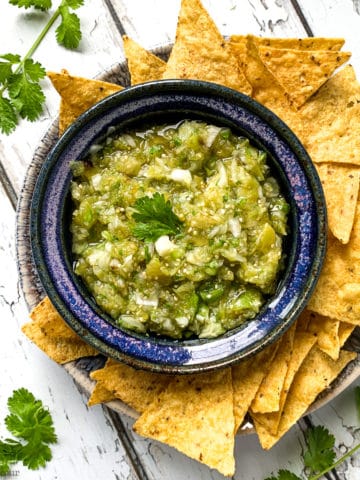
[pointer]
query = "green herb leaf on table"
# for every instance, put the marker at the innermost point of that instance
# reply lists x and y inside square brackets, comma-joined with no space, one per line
[68,33]
[39,4]
[284,475]
[320,454]
[31,422]
[154,217]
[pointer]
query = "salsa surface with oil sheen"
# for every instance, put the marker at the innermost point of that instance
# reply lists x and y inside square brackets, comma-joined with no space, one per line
[178,230]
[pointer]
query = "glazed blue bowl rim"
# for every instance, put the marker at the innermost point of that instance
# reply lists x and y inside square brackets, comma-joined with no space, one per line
[203,100]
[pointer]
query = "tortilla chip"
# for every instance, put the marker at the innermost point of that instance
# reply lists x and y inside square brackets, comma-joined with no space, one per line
[201,53]
[326,331]
[341,188]
[195,415]
[301,72]
[345,330]
[337,293]
[267,398]
[78,95]
[247,377]
[136,388]
[316,373]
[266,89]
[143,65]
[52,335]
[307,43]
[303,343]
[100,394]
[331,120]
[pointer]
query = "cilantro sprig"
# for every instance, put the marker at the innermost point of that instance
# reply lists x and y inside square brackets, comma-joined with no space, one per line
[21,94]
[32,424]
[154,217]
[320,456]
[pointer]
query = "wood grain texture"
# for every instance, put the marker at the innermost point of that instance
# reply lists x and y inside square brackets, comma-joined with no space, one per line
[89,446]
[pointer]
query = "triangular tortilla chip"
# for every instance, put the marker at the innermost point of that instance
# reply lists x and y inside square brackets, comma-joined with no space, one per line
[337,293]
[136,388]
[195,415]
[303,343]
[316,373]
[100,394]
[307,43]
[326,332]
[78,95]
[201,53]
[345,330]
[266,89]
[247,377]
[52,335]
[301,72]
[331,120]
[267,398]
[143,65]
[341,188]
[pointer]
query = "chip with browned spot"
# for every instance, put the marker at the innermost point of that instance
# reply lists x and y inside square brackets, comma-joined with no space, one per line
[303,342]
[78,94]
[341,187]
[136,388]
[267,398]
[195,415]
[200,51]
[247,377]
[316,373]
[337,293]
[301,72]
[331,120]
[52,335]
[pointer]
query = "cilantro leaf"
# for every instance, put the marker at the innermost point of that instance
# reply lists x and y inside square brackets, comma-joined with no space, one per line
[74,4]
[8,118]
[26,96]
[154,217]
[284,475]
[68,33]
[34,70]
[6,67]
[39,4]
[9,453]
[35,455]
[320,454]
[28,418]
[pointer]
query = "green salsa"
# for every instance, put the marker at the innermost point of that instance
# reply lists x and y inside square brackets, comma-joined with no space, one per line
[177,230]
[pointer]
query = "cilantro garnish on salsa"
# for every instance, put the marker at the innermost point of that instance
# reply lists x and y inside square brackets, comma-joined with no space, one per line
[178,229]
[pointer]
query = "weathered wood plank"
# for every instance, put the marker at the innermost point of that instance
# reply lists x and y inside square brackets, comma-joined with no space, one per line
[88,447]
[154,21]
[100,48]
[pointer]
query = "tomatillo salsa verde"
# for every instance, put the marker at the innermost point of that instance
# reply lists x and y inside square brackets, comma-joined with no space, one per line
[177,230]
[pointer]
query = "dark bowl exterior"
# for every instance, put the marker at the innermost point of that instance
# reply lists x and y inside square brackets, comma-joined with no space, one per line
[158,102]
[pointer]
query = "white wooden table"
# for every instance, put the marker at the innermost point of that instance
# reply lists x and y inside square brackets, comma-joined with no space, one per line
[95,444]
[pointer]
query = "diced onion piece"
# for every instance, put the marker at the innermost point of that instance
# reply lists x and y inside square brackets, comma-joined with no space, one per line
[223,178]
[96,180]
[212,133]
[181,176]
[164,246]
[147,302]
[234,227]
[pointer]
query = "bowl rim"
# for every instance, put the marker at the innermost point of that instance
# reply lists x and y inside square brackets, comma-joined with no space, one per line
[178,358]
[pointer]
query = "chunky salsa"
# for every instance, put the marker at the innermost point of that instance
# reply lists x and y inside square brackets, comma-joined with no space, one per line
[178,229]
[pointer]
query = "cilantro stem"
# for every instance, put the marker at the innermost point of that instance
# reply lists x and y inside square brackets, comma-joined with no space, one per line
[35,45]
[336,464]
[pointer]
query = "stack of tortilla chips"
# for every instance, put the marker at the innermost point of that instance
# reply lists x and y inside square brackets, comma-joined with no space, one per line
[200,414]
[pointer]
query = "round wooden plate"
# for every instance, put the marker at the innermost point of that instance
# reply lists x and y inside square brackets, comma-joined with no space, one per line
[33,291]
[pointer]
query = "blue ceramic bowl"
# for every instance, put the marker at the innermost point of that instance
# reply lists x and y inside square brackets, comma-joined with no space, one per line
[162,101]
